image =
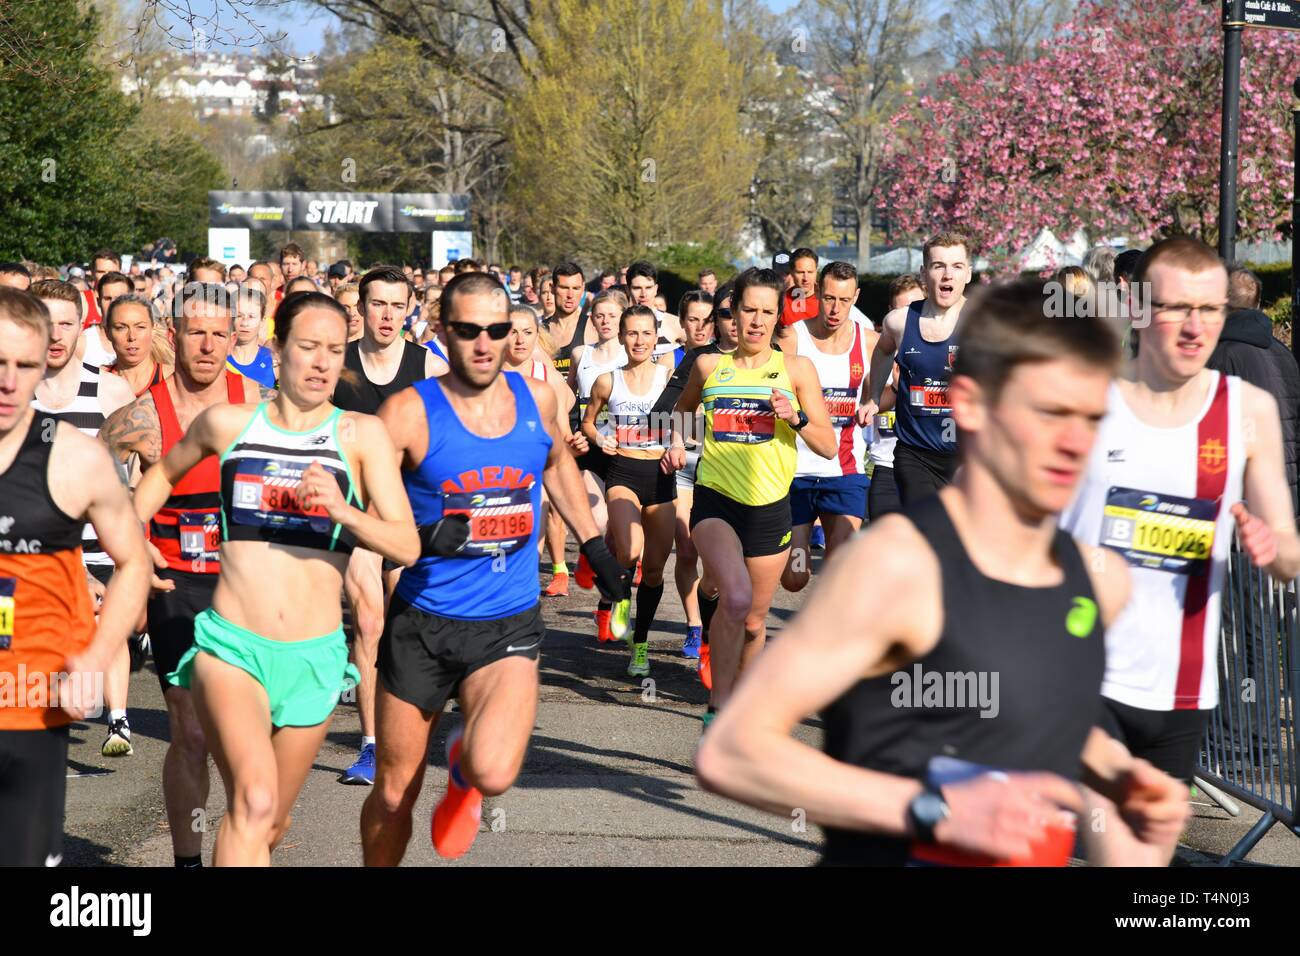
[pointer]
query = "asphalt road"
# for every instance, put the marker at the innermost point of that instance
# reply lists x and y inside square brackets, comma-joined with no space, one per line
[607,781]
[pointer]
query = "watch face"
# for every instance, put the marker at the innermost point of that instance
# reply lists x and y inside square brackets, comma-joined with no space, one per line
[930,809]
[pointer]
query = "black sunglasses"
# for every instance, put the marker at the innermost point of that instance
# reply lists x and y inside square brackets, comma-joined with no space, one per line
[469,331]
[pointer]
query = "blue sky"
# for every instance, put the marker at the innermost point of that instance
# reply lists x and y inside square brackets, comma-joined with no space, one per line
[304,23]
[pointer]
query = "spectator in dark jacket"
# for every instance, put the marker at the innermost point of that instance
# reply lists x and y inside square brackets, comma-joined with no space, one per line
[1248,350]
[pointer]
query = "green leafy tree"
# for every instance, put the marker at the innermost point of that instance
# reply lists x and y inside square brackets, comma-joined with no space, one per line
[64,186]
[625,133]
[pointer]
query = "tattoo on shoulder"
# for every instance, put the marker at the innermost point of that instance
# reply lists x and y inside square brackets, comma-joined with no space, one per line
[266,394]
[134,429]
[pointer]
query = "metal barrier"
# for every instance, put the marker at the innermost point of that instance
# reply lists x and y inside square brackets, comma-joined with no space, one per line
[1249,753]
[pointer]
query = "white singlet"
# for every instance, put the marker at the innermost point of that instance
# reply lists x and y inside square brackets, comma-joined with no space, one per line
[1160,497]
[631,412]
[588,371]
[842,377]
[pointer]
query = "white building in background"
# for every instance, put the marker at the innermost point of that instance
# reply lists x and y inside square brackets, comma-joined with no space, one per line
[225,84]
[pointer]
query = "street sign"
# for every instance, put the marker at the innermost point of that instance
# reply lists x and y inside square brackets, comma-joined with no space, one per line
[1277,14]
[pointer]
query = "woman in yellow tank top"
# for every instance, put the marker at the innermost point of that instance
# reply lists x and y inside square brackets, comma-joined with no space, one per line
[755,399]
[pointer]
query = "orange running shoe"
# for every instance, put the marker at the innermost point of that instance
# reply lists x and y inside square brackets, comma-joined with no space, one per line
[559,586]
[603,632]
[585,577]
[706,667]
[458,815]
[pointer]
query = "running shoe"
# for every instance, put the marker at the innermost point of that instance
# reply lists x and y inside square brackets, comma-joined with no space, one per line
[693,637]
[458,815]
[363,770]
[559,586]
[583,575]
[639,666]
[118,742]
[706,667]
[620,621]
[818,538]
[602,626]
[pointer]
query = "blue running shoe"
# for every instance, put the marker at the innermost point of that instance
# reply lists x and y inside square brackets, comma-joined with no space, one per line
[363,771]
[818,538]
[692,646]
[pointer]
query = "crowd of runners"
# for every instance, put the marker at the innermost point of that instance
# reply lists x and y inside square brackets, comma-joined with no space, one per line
[1028,489]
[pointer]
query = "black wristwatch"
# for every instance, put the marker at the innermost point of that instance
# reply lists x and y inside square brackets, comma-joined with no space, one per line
[803,420]
[926,811]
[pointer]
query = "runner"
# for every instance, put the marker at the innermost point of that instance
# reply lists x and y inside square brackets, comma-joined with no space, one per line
[833,491]
[527,352]
[349,296]
[639,493]
[95,347]
[83,396]
[15,275]
[296,474]
[185,532]
[380,364]
[47,619]
[643,286]
[1180,447]
[203,269]
[724,326]
[922,340]
[979,582]
[248,356]
[708,281]
[755,400]
[465,620]
[567,326]
[589,363]
[696,313]
[882,496]
[143,356]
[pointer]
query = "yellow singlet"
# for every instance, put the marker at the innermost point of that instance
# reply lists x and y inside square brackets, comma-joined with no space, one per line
[749,454]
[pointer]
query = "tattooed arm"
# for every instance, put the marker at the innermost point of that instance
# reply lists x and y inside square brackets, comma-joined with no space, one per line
[133,435]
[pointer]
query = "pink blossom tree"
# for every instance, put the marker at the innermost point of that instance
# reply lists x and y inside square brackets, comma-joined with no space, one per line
[1113,129]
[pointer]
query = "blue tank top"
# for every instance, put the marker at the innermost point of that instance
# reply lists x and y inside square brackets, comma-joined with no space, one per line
[261,370]
[923,409]
[497,484]
[433,346]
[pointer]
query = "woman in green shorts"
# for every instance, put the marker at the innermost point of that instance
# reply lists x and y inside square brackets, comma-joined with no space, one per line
[297,475]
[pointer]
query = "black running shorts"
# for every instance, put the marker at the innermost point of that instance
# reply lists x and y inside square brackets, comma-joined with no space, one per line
[33,785]
[171,618]
[424,658]
[762,529]
[644,477]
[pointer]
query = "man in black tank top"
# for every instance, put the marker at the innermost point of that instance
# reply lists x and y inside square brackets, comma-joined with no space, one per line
[568,327]
[960,681]
[381,363]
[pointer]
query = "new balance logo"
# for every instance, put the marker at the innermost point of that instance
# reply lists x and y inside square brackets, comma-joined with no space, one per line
[316,440]
[1115,454]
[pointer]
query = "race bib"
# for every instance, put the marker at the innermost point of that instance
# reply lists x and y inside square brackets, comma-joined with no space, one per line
[266,496]
[746,421]
[841,403]
[602,416]
[1160,532]
[634,431]
[930,399]
[884,425]
[500,519]
[7,588]
[200,536]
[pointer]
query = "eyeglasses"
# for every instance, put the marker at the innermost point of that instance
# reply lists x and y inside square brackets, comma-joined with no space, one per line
[1177,311]
[469,331]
